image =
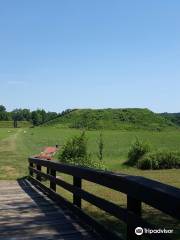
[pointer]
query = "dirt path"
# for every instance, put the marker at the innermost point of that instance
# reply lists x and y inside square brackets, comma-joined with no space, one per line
[11,165]
[9,144]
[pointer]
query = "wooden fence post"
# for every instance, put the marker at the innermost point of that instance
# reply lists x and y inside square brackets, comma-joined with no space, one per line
[134,206]
[52,184]
[77,182]
[30,171]
[38,167]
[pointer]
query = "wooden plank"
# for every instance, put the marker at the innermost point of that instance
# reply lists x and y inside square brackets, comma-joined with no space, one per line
[45,229]
[36,214]
[62,223]
[32,215]
[23,197]
[24,205]
[29,219]
[17,192]
[74,236]
[17,201]
[50,236]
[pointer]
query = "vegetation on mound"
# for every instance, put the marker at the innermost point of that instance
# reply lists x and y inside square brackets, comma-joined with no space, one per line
[94,119]
[173,117]
[129,118]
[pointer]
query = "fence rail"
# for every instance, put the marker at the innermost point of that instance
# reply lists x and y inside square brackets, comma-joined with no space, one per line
[138,189]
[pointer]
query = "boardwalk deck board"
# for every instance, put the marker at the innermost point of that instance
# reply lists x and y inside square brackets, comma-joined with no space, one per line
[26,213]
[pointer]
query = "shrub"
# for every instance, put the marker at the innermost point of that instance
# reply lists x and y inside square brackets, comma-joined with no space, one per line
[148,162]
[160,160]
[75,152]
[75,148]
[137,150]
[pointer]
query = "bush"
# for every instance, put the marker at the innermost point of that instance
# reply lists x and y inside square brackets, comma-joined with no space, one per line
[148,162]
[75,152]
[137,150]
[160,160]
[75,148]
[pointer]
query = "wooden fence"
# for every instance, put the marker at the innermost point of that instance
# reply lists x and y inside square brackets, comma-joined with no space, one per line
[138,189]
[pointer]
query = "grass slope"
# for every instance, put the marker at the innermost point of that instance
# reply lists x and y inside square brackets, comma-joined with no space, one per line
[130,118]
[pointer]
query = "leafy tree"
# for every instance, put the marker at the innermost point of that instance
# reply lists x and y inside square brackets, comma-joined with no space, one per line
[40,116]
[26,114]
[100,147]
[43,115]
[3,113]
[17,116]
[36,118]
[75,150]
[2,108]
[51,115]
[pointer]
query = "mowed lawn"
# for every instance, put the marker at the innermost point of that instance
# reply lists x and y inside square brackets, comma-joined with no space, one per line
[6,132]
[116,146]
[17,146]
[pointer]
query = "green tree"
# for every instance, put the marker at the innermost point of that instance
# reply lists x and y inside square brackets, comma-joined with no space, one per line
[26,114]
[3,113]
[43,114]
[36,118]
[51,115]
[2,108]
[75,150]
[100,147]
[17,116]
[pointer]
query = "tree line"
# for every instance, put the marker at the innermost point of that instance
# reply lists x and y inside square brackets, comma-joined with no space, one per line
[36,117]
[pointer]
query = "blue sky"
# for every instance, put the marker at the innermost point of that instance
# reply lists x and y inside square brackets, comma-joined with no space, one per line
[90,54]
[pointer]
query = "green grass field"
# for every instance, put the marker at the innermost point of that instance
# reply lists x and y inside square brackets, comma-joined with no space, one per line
[4,133]
[17,146]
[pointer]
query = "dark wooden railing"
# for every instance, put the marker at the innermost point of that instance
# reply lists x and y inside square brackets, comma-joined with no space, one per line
[138,189]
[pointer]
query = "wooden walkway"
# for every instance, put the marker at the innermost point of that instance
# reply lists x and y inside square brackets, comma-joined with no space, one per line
[26,213]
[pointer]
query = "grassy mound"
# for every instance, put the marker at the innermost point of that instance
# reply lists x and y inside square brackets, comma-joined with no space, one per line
[129,118]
